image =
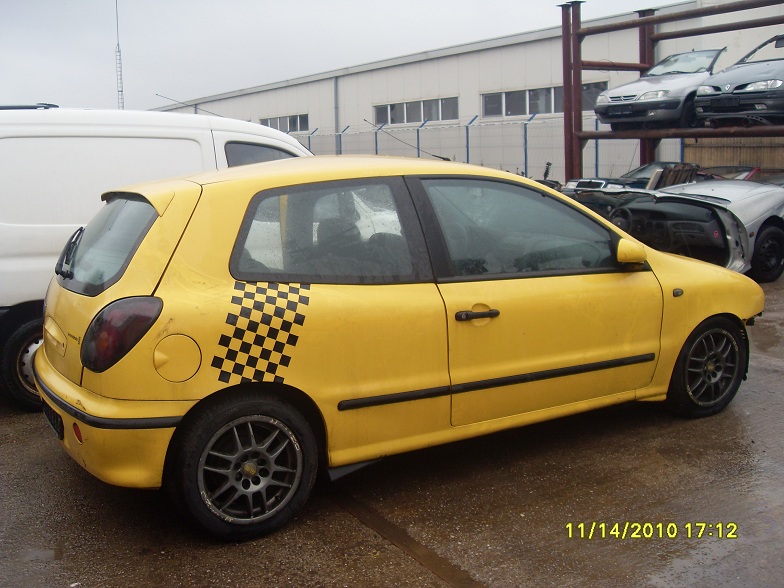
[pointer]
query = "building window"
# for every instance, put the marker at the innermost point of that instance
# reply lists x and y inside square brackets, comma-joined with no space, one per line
[514,103]
[417,111]
[558,98]
[540,101]
[492,104]
[397,115]
[536,101]
[292,123]
[382,114]
[591,92]
[414,111]
[449,109]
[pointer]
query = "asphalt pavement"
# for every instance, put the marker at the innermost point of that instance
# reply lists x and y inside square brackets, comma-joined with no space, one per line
[625,496]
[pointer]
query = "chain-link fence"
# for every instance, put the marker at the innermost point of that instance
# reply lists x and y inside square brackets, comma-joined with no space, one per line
[518,147]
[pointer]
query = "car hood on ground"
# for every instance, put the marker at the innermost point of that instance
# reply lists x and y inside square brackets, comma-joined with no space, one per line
[677,84]
[746,73]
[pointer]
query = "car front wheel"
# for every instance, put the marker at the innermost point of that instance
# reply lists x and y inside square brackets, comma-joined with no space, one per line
[767,263]
[243,467]
[709,370]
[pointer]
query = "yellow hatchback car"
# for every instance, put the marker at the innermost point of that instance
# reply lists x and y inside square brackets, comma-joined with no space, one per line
[228,334]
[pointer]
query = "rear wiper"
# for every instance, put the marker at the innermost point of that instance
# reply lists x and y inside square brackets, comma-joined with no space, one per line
[66,257]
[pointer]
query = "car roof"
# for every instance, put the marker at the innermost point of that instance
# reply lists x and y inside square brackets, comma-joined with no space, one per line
[320,168]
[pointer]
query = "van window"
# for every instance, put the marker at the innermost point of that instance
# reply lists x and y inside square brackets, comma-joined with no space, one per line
[95,258]
[244,153]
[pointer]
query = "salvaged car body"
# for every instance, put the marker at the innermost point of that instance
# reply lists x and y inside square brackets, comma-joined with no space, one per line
[636,178]
[662,97]
[749,92]
[735,223]
[227,335]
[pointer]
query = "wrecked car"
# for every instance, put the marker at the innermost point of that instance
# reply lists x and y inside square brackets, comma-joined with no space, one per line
[738,224]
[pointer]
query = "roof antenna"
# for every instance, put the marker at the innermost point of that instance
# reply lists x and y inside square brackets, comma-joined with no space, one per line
[118,60]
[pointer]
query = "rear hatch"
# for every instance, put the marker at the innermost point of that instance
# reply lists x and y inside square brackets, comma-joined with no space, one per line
[122,252]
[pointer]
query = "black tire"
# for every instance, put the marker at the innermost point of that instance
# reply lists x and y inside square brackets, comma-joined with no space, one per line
[767,263]
[16,364]
[709,369]
[243,467]
[688,119]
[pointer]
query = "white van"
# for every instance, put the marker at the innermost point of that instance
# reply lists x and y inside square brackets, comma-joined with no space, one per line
[55,164]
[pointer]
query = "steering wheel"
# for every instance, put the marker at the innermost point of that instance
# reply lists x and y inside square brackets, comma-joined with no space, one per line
[622,218]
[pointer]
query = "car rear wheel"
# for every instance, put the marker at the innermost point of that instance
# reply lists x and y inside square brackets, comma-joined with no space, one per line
[16,364]
[243,467]
[767,263]
[709,369]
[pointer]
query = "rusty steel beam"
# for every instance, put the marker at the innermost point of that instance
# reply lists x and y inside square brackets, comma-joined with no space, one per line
[702,133]
[676,16]
[615,66]
[566,44]
[577,91]
[734,26]
[647,146]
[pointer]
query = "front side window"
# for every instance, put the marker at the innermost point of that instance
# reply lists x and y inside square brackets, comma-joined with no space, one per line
[492,227]
[332,232]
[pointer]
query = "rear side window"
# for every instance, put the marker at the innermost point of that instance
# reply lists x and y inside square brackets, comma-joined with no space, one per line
[334,232]
[96,257]
[244,153]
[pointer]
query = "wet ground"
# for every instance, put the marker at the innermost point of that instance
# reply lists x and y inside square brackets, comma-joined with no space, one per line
[701,503]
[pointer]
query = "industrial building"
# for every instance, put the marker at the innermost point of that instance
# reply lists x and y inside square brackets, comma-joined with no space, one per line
[497,102]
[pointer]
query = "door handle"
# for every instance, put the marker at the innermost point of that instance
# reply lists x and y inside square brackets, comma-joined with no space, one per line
[469,315]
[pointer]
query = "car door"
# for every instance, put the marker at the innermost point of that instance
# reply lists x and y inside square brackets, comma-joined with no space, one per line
[539,312]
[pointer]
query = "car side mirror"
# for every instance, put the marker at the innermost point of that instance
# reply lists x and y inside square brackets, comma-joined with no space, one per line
[630,252]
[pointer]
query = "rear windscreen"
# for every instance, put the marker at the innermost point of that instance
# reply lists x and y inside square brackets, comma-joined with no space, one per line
[96,257]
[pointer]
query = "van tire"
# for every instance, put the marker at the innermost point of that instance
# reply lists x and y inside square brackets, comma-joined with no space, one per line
[16,365]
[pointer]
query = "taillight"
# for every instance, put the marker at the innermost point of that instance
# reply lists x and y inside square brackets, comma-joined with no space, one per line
[116,329]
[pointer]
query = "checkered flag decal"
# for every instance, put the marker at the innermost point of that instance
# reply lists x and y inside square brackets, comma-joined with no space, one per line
[263,324]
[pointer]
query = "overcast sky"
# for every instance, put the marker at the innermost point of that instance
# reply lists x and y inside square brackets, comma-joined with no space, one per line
[63,51]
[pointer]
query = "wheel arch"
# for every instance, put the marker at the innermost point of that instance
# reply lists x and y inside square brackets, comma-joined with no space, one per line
[288,394]
[17,315]
[741,327]
[773,221]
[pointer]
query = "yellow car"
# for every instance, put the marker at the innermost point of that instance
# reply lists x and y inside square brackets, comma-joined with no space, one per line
[228,334]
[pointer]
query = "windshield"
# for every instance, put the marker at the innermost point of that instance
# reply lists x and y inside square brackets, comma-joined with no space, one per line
[96,256]
[692,62]
[647,171]
[770,50]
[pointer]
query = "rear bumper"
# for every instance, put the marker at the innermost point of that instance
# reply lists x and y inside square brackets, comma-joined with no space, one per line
[124,443]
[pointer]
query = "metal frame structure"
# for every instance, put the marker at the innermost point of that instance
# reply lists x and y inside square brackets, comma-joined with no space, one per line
[573,33]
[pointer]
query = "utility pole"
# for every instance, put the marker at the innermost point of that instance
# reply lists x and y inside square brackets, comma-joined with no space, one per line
[118,60]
